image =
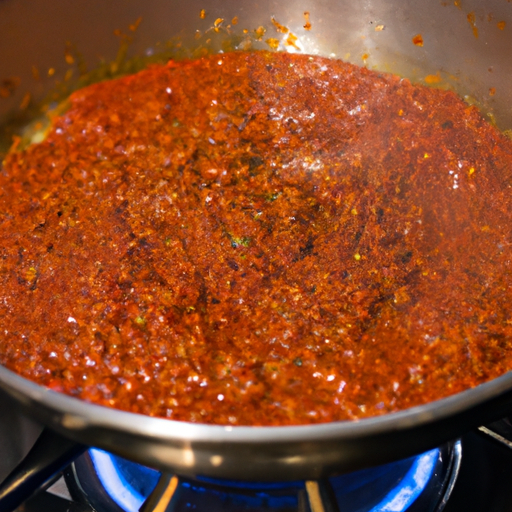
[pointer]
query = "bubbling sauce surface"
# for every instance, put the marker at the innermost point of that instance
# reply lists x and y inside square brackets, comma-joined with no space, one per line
[259,239]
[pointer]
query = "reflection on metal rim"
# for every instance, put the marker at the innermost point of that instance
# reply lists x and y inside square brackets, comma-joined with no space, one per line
[300,452]
[75,414]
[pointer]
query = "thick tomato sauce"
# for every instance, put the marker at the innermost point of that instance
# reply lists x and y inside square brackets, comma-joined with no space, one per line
[259,239]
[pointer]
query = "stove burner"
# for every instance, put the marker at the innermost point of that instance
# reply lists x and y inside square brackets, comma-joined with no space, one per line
[109,483]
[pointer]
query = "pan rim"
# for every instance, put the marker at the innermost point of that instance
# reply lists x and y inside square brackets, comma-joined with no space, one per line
[74,414]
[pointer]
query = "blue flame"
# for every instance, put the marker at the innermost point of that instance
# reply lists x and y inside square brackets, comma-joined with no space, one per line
[399,483]
[414,482]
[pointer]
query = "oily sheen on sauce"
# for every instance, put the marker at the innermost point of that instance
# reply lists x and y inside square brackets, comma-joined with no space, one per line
[259,239]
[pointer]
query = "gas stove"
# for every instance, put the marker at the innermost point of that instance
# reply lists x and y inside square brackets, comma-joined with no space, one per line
[471,474]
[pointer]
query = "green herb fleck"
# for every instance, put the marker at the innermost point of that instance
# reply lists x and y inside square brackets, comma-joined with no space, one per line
[140,321]
[272,197]
[243,241]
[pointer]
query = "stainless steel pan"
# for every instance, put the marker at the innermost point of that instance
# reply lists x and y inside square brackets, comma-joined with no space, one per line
[381,31]
[262,453]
